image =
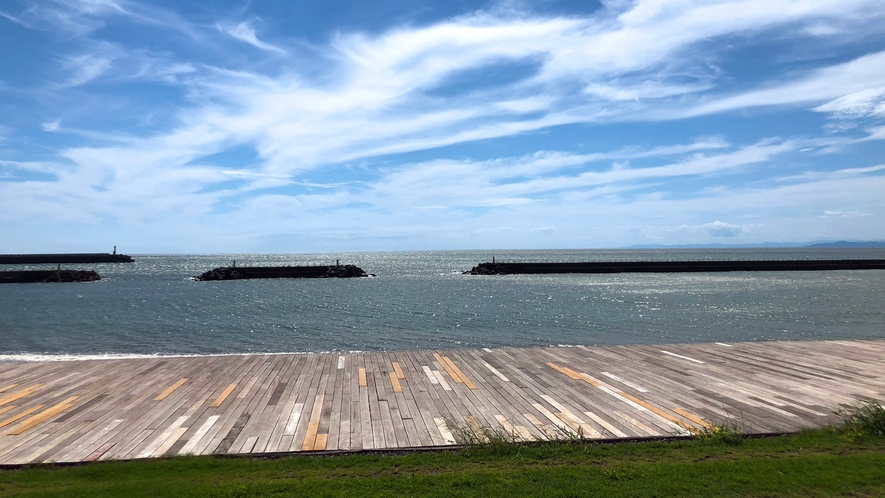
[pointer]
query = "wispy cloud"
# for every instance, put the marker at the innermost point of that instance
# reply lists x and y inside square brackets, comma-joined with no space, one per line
[246,33]
[83,17]
[85,68]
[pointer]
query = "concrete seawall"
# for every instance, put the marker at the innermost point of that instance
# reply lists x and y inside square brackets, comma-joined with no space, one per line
[37,276]
[248,272]
[675,266]
[34,259]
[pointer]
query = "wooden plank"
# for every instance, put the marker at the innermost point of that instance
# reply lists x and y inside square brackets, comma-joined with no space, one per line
[386,419]
[553,418]
[42,416]
[245,391]
[682,356]
[321,442]
[249,444]
[363,381]
[496,372]
[660,412]
[608,426]
[398,370]
[394,382]
[441,380]
[365,407]
[6,388]
[292,421]
[430,376]
[416,399]
[457,371]
[9,398]
[626,383]
[692,417]
[169,390]
[314,424]
[198,436]
[544,429]
[158,441]
[82,450]
[7,409]
[223,396]
[444,431]
[567,416]
[338,414]
[677,424]
[21,415]
[310,437]
[445,365]
[648,430]
[163,448]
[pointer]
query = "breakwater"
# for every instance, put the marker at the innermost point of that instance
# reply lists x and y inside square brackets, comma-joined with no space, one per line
[675,266]
[37,276]
[247,272]
[34,259]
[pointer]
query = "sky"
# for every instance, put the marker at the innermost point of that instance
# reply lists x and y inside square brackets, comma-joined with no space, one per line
[388,125]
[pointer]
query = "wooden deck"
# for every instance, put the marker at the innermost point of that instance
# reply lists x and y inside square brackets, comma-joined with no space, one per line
[141,408]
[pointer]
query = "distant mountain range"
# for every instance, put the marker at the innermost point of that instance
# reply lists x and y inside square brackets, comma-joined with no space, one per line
[840,244]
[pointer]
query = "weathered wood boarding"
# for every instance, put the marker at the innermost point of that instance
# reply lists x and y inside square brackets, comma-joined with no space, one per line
[143,408]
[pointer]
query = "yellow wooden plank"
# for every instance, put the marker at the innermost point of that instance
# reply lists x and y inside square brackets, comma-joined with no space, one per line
[398,370]
[220,399]
[170,390]
[597,383]
[42,416]
[694,418]
[311,436]
[453,370]
[20,415]
[4,389]
[363,381]
[457,371]
[564,370]
[320,443]
[8,408]
[658,411]
[590,380]
[454,375]
[9,398]
[395,382]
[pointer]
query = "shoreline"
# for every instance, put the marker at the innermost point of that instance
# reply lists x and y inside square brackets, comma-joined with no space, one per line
[62,357]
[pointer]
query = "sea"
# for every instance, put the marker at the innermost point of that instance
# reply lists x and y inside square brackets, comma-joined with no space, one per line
[421,300]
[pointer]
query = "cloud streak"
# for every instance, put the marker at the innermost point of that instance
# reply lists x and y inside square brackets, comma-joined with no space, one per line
[244,32]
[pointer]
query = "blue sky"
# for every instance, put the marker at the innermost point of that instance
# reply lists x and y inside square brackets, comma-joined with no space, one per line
[410,125]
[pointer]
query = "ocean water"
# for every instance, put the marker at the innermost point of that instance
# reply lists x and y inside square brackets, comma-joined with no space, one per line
[421,300]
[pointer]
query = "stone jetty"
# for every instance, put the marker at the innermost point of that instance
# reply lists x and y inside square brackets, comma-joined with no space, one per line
[675,266]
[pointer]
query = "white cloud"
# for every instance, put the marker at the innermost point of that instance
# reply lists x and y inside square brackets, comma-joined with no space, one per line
[838,82]
[246,33]
[846,214]
[51,125]
[869,102]
[85,68]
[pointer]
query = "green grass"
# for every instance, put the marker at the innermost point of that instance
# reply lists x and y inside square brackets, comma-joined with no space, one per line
[848,460]
[863,421]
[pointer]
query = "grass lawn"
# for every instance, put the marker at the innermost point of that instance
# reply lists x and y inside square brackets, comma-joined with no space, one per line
[811,463]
